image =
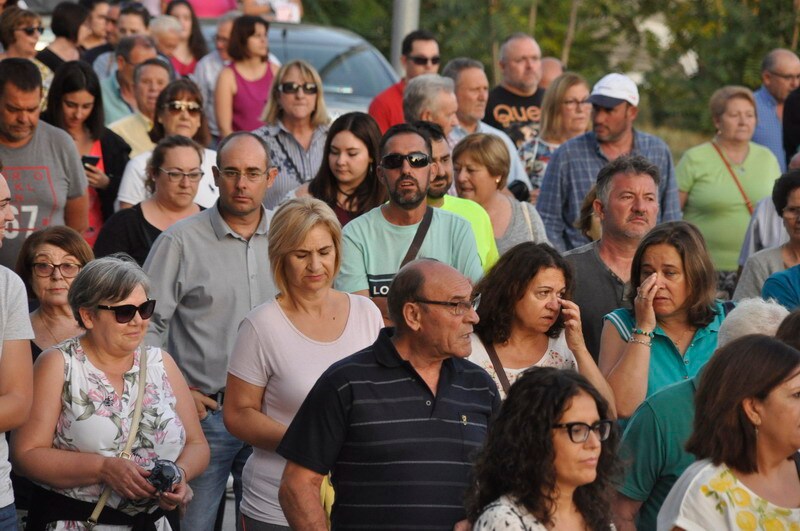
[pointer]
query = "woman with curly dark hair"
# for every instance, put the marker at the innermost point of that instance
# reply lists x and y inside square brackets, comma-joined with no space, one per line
[528,319]
[548,459]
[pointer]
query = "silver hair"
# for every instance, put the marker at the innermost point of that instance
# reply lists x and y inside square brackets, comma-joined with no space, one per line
[513,37]
[165,24]
[421,94]
[751,316]
[111,278]
[454,67]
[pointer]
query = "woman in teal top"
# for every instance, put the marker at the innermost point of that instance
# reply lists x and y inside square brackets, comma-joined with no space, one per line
[671,331]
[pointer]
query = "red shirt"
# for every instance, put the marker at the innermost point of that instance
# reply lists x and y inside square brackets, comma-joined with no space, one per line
[387,107]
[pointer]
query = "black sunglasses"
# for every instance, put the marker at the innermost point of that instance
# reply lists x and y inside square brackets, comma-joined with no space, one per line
[293,88]
[422,61]
[417,159]
[126,312]
[29,31]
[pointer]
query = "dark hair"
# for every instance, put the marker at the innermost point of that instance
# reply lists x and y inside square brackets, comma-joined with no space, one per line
[126,45]
[11,19]
[61,236]
[784,185]
[701,279]
[405,287]
[417,35]
[197,43]
[160,152]
[21,73]
[748,367]
[74,76]
[507,282]
[183,88]
[90,4]
[403,129]
[136,8]
[517,458]
[789,330]
[68,17]
[370,193]
[153,61]
[433,130]
[627,165]
[243,28]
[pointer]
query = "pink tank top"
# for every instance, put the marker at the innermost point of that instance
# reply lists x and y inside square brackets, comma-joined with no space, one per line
[249,100]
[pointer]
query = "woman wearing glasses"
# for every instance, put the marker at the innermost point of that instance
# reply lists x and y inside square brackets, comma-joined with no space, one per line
[20,30]
[528,320]
[85,391]
[244,86]
[283,346]
[174,173]
[179,111]
[548,460]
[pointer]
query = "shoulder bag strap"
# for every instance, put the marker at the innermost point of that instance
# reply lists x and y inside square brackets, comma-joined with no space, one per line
[298,177]
[419,237]
[747,202]
[527,219]
[498,367]
[126,452]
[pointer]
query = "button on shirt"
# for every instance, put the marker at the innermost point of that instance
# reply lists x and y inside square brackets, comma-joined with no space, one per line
[206,278]
[769,128]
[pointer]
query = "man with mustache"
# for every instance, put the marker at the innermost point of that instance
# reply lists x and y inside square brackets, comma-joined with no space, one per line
[627,206]
[378,243]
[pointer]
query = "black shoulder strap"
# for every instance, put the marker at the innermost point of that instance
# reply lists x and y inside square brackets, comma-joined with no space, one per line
[419,237]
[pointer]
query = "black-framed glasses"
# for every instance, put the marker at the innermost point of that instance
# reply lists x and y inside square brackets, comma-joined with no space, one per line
[126,312]
[176,107]
[293,88]
[251,175]
[420,60]
[579,431]
[67,269]
[417,159]
[786,77]
[576,103]
[177,176]
[456,307]
[30,30]
[791,212]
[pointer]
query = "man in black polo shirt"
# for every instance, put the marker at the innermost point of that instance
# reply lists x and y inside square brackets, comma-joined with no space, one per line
[396,423]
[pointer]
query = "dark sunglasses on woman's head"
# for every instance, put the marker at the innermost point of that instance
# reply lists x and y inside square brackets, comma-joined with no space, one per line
[176,107]
[30,30]
[292,88]
[126,312]
[417,159]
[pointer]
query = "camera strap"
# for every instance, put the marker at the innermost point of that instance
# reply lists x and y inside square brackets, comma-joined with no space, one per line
[126,452]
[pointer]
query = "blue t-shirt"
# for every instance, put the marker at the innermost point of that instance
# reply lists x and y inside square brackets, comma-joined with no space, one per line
[784,287]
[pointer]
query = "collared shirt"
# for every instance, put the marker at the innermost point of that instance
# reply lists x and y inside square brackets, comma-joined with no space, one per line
[769,128]
[295,164]
[517,171]
[400,454]
[573,171]
[135,130]
[205,75]
[206,279]
[114,107]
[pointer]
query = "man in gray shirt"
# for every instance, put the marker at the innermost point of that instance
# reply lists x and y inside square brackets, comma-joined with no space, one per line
[208,272]
[627,206]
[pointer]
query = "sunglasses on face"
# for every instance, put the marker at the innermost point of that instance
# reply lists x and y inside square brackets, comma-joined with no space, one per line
[126,312]
[30,30]
[417,159]
[292,88]
[422,61]
[176,107]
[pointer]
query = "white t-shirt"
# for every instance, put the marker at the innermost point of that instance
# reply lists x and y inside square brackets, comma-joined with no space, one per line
[132,189]
[558,355]
[270,352]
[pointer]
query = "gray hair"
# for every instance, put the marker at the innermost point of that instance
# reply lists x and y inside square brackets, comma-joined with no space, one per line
[626,164]
[111,278]
[455,66]
[127,44]
[229,16]
[770,60]
[165,24]
[751,316]
[421,94]
[513,37]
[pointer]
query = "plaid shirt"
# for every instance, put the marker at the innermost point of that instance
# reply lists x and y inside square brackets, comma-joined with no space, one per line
[769,128]
[572,171]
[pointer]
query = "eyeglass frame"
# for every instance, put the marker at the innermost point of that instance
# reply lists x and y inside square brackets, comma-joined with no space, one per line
[183,174]
[29,30]
[457,308]
[250,175]
[576,103]
[596,428]
[309,88]
[786,77]
[791,212]
[406,157]
[421,60]
[178,106]
[53,268]
[126,307]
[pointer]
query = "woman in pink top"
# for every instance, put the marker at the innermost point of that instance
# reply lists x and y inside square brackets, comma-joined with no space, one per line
[244,86]
[207,8]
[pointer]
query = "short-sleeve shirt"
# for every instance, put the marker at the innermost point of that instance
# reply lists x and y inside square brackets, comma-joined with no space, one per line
[400,456]
[521,228]
[481,227]
[515,115]
[784,287]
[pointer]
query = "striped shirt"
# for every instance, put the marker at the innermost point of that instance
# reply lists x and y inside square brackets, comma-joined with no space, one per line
[399,455]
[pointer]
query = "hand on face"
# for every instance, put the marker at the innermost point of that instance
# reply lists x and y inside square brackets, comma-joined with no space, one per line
[573,330]
[643,303]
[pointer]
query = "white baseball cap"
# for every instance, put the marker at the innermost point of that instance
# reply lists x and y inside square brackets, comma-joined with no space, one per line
[612,90]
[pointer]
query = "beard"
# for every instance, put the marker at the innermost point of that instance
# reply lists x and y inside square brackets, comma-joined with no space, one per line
[408,199]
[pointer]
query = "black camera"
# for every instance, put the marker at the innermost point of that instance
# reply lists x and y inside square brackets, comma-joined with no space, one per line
[164,475]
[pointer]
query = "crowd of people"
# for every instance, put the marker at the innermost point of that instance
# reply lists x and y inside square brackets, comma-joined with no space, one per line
[466,308]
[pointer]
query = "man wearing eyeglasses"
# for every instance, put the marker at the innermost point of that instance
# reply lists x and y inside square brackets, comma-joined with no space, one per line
[378,243]
[398,421]
[780,75]
[420,55]
[207,273]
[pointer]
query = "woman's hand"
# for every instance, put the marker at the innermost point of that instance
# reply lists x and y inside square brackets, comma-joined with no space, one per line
[126,478]
[97,178]
[178,496]
[573,331]
[643,304]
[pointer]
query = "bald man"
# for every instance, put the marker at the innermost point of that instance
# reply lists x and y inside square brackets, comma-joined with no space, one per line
[780,75]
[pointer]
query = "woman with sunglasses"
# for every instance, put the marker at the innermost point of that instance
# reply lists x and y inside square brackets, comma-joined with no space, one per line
[244,85]
[20,31]
[296,130]
[174,172]
[75,104]
[549,458]
[179,111]
[85,391]
[192,46]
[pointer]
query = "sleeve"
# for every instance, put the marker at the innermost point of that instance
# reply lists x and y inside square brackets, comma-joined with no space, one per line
[163,266]
[697,511]
[749,243]
[131,188]
[621,321]
[73,169]
[751,280]
[466,251]
[791,125]
[17,324]
[550,203]
[684,175]
[116,153]
[539,232]
[643,449]
[779,287]
[249,358]
[670,200]
[353,273]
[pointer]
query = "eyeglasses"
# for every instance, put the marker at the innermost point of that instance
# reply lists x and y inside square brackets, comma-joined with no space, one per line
[786,77]
[456,307]
[30,30]
[293,88]
[417,159]
[67,270]
[176,107]
[177,176]
[251,175]
[125,313]
[791,212]
[579,431]
[576,103]
[420,60]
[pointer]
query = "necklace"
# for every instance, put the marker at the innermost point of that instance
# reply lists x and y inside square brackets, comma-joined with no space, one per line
[55,339]
[679,341]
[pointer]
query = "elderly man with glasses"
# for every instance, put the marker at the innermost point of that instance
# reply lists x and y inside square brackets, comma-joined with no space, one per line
[780,75]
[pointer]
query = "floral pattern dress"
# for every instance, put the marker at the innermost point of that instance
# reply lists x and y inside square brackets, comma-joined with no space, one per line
[95,419]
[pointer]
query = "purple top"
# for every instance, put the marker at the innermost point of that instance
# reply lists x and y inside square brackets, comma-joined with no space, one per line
[249,100]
